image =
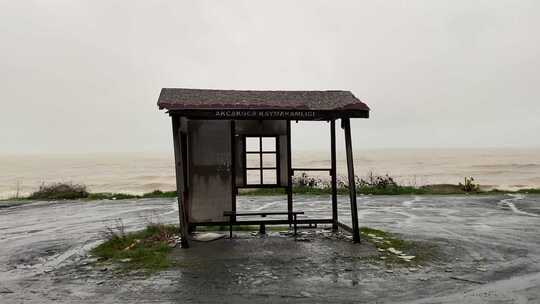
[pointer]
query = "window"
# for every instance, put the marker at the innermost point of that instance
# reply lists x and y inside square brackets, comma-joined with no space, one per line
[261,160]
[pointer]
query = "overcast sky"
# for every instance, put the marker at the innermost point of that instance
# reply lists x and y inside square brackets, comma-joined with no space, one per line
[79,76]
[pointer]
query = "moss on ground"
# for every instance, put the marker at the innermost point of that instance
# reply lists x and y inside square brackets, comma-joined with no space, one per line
[422,252]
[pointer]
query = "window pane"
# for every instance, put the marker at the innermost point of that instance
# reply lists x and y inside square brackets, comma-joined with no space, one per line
[269,160]
[253,177]
[252,144]
[269,143]
[253,160]
[269,177]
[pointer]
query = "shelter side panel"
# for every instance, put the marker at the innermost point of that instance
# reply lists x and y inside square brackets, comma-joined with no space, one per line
[210,171]
[240,161]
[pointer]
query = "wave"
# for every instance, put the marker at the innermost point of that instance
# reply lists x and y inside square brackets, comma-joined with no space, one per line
[507,166]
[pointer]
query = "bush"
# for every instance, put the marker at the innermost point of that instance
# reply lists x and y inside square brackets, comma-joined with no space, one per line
[469,185]
[306,181]
[59,191]
[377,182]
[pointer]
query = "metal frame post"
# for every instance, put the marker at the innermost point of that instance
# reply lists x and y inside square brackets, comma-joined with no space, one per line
[333,174]
[346,125]
[234,189]
[289,174]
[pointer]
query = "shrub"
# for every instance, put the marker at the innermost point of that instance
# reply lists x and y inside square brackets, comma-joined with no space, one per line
[306,181]
[469,185]
[377,181]
[60,191]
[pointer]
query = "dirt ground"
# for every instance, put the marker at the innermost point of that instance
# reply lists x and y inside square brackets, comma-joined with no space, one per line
[489,253]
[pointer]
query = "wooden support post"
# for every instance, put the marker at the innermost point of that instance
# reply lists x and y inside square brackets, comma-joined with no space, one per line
[346,125]
[333,174]
[180,178]
[233,168]
[289,174]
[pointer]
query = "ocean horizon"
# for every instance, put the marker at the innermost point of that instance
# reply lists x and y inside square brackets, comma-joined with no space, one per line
[139,172]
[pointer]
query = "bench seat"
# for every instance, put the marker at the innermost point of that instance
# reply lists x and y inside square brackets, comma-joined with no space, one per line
[262,229]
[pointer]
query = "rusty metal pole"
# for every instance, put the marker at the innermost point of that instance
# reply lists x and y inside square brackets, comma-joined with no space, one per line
[346,125]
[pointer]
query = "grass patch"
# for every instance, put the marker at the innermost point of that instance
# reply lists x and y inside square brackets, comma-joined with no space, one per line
[60,191]
[262,191]
[438,189]
[159,193]
[296,190]
[65,191]
[303,185]
[443,189]
[120,196]
[371,185]
[111,196]
[397,190]
[147,249]
[530,190]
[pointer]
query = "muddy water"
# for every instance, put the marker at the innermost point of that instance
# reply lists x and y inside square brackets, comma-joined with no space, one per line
[494,240]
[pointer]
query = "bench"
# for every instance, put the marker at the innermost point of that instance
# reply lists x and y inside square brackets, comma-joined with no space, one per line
[262,228]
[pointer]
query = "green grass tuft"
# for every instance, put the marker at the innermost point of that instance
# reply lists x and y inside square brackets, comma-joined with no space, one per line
[147,249]
[159,193]
[530,190]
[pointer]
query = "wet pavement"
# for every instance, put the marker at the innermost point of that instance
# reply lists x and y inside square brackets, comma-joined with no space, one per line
[489,253]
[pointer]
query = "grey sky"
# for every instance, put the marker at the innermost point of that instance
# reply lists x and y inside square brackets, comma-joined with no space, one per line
[80,76]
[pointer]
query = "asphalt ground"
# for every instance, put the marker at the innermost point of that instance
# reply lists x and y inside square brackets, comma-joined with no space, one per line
[488,252]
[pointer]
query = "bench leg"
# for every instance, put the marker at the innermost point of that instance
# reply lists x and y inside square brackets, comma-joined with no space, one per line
[230,227]
[294,224]
[262,229]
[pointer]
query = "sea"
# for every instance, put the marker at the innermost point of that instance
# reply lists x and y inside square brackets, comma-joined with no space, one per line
[137,173]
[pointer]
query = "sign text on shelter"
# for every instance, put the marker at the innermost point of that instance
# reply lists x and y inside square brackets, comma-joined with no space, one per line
[264,114]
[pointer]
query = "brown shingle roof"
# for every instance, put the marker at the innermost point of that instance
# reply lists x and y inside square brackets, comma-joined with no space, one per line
[200,99]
